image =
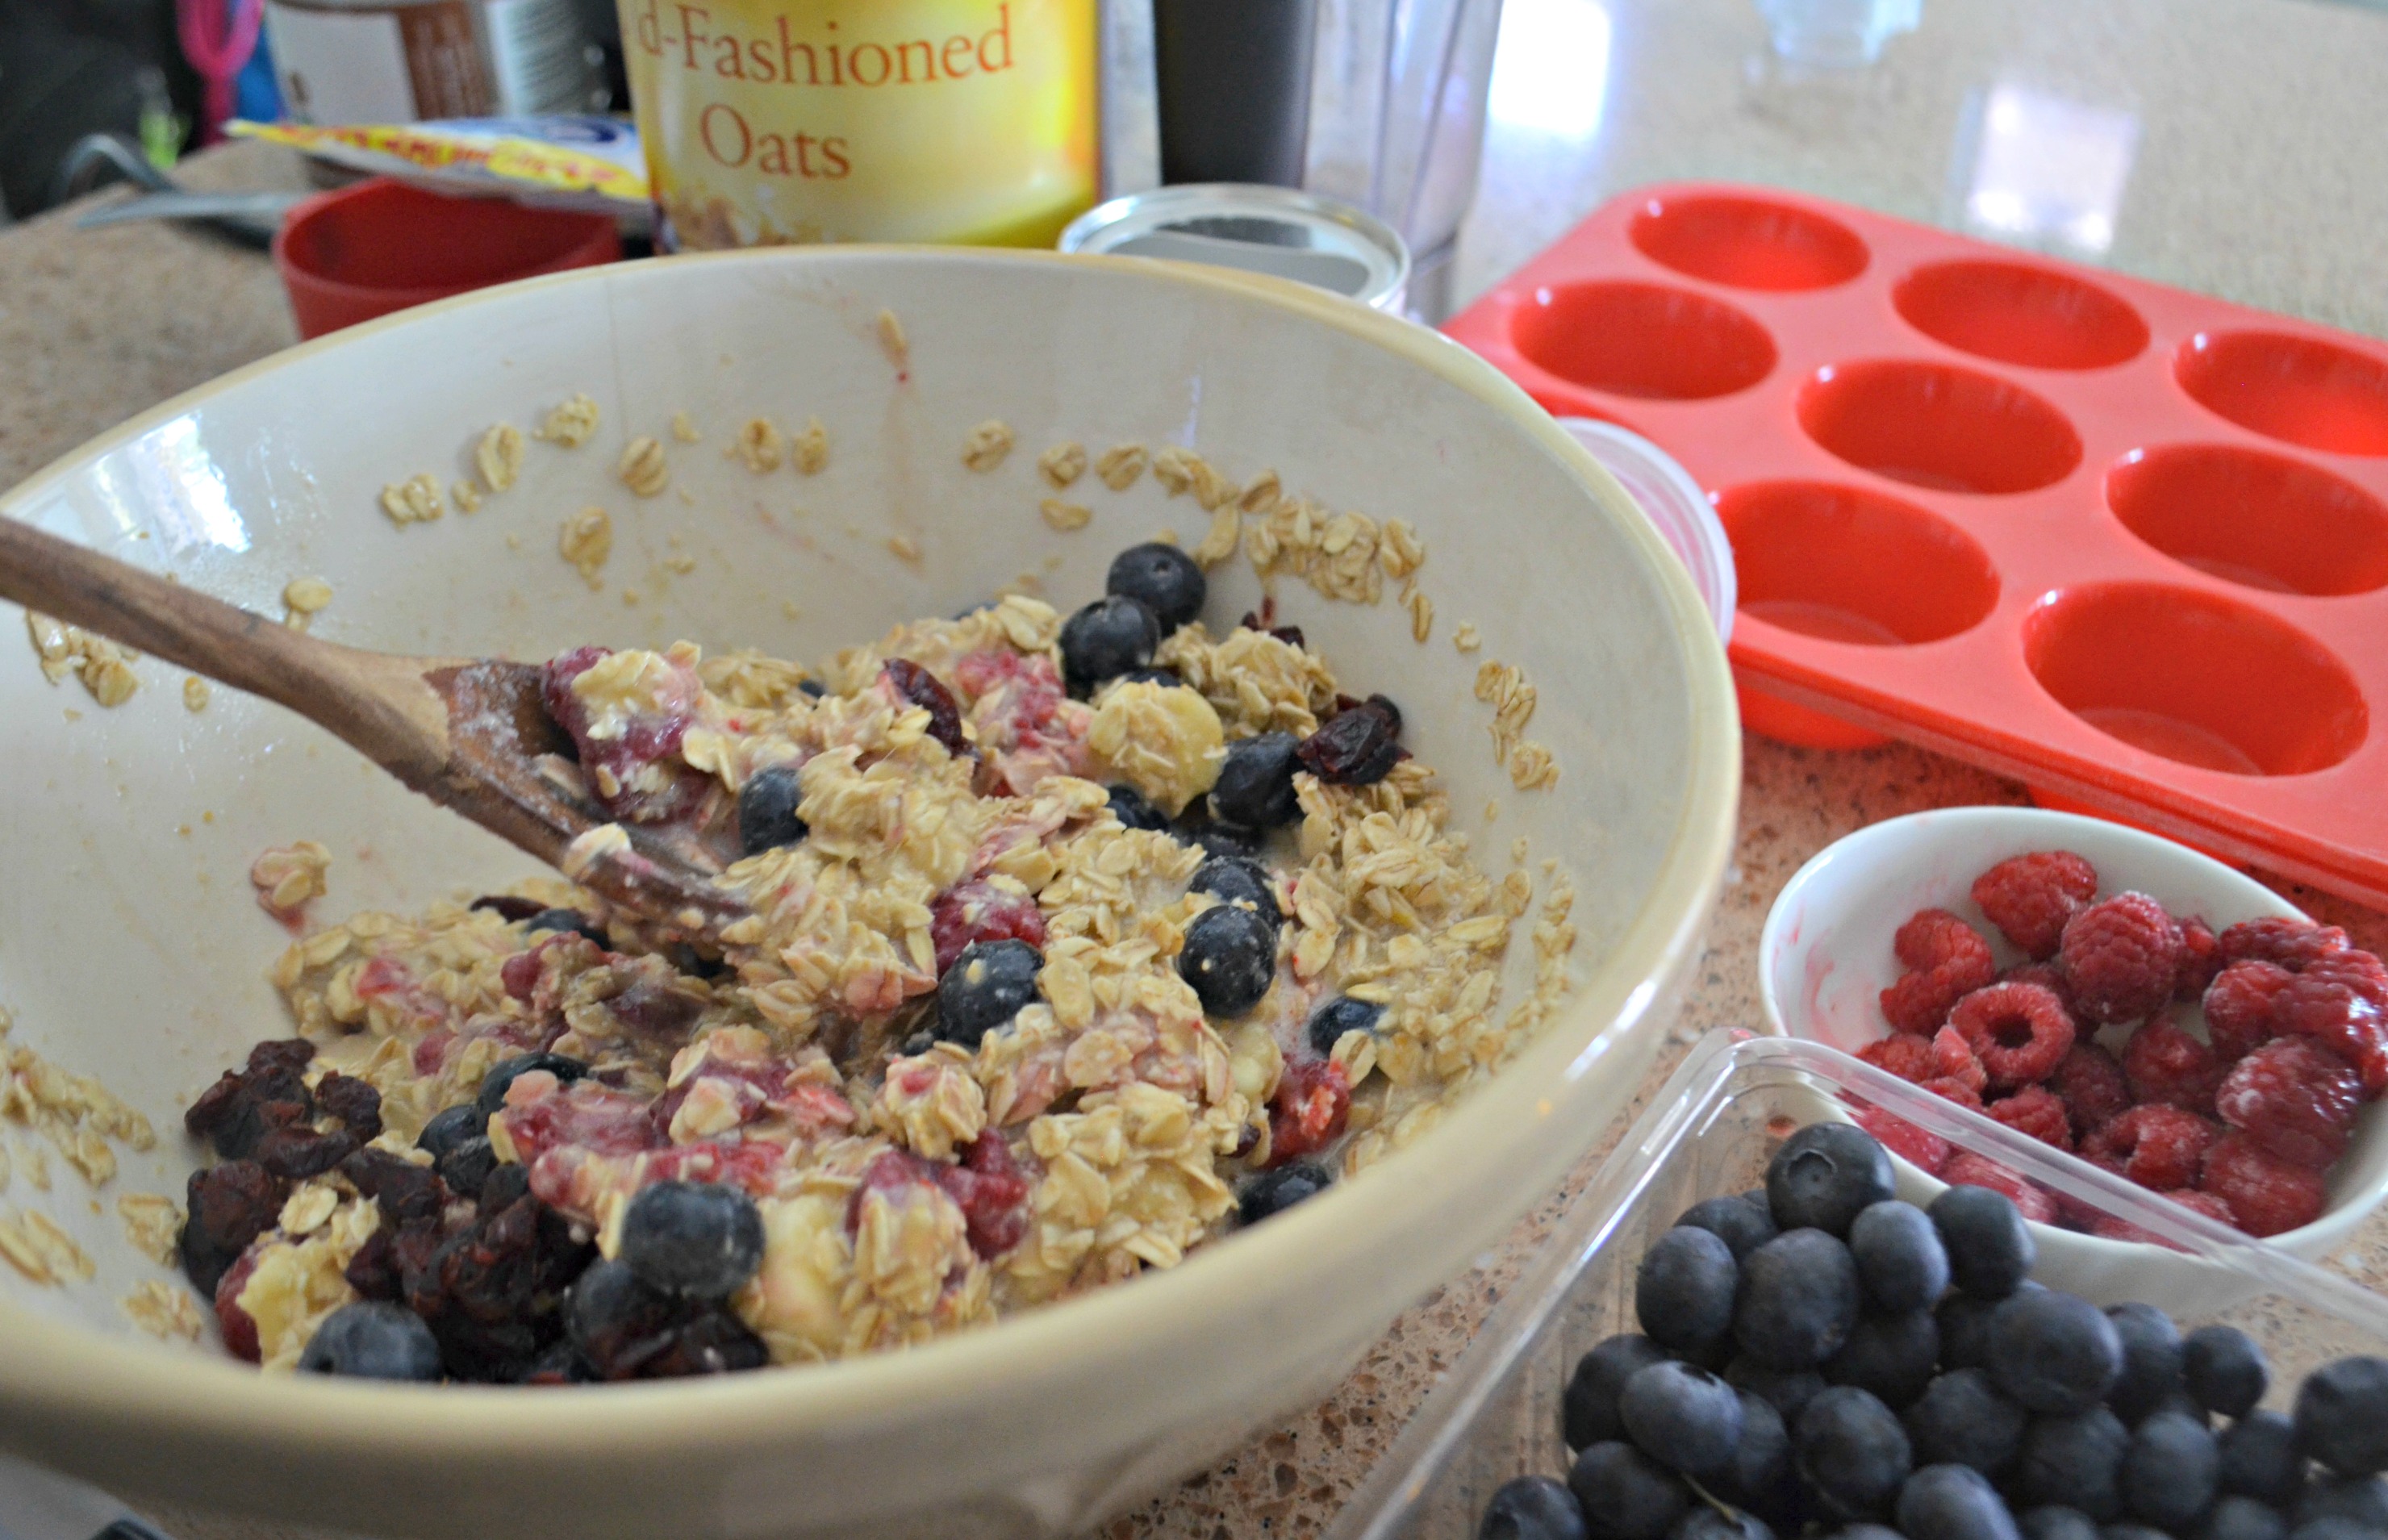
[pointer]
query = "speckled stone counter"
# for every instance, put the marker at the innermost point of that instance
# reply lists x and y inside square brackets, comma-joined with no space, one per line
[2229,146]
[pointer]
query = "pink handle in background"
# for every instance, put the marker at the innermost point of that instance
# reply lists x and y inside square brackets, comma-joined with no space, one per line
[218,37]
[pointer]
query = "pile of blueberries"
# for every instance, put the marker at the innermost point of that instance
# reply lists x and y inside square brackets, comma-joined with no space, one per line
[1817,1357]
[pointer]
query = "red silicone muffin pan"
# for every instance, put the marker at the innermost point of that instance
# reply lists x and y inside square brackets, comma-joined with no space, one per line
[2126,544]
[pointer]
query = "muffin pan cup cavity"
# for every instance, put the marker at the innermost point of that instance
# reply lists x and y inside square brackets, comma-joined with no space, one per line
[2124,543]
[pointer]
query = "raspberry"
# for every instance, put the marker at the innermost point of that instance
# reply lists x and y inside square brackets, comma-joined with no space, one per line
[2165,1064]
[2242,1007]
[2019,1031]
[2335,1013]
[2157,1146]
[2108,1227]
[2034,1109]
[981,912]
[1955,1090]
[2121,957]
[2201,958]
[2265,1194]
[1967,1169]
[1934,938]
[2295,1100]
[1953,1059]
[1947,960]
[2030,897]
[2048,976]
[2091,1083]
[1902,1053]
[1926,1151]
[2278,938]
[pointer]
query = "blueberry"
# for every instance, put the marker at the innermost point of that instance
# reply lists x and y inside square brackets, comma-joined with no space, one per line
[1852,1451]
[2226,1370]
[1625,1494]
[1255,785]
[985,988]
[1683,1290]
[1166,678]
[2171,1471]
[2332,1528]
[1891,1355]
[1338,1016]
[559,1363]
[766,810]
[1761,1476]
[1824,1176]
[1163,578]
[2073,1459]
[465,1167]
[1964,1330]
[503,1186]
[1237,880]
[1532,1507]
[1953,1502]
[2152,1360]
[1588,1410]
[450,1128]
[373,1340]
[1108,638]
[693,1239]
[1274,1192]
[2260,1459]
[1798,1300]
[2131,1532]
[506,1070]
[566,920]
[1704,1522]
[1789,1391]
[1133,811]
[616,1322]
[1961,1418]
[1902,1264]
[2237,1518]
[1231,958]
[1740,1224]
[2053,1352]
[1989,1249]
[2341,1412]
[2362,1498]
[1682,1416]
[2055,1522]
[1864,1532]
[812,687]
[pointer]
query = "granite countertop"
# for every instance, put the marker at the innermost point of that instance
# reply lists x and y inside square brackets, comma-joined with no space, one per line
[2225,145]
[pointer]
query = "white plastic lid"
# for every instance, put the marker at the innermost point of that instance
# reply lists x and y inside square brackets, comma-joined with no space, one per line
[1674,505]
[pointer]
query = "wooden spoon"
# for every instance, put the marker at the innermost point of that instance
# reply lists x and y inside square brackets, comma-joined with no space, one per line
[467,733]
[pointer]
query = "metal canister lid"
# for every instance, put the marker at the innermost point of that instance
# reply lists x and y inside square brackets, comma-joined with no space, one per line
[1259,229]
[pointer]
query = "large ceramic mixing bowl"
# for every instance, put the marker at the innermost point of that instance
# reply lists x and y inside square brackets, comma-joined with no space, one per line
[131,947]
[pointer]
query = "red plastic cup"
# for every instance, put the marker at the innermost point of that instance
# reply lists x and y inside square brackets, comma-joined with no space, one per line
[381,245]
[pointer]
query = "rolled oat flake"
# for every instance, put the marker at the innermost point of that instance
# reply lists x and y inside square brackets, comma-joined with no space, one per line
[1275,229]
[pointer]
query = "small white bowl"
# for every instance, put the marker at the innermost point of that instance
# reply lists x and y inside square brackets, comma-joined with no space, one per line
[1825,956]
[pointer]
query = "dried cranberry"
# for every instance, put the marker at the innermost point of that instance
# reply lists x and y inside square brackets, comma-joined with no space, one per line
[291,1053]
[404,1191]
[508,908]
[482,1298]
[239,1326]
[922,689]
[299,1152]
[373,1270]
[215,1106]
[229,1206]
[1358,747]
[353,1101]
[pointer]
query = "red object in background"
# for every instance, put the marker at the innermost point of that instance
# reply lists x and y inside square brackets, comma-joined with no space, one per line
[218,36]
[2124,543]
[382,246]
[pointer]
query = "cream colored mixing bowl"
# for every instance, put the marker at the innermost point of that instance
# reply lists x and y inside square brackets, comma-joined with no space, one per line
[131,947]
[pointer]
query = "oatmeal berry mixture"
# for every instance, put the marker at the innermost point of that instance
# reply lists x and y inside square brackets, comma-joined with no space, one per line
[1072,943]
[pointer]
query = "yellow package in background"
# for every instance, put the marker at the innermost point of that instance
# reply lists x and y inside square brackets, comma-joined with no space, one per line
[773,122]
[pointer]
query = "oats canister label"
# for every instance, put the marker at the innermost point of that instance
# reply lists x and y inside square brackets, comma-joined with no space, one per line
[773,122]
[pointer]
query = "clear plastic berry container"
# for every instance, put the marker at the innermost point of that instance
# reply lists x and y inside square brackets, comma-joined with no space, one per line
[1711,1130]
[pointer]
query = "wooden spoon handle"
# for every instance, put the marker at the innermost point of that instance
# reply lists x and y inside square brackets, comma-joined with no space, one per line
[378,704]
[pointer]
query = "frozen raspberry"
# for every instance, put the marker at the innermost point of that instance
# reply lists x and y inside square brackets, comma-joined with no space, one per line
[1953,1059]
[2295,1100]
[2201,958]
[2338,1015]
[1947,960]
[2164,1064]
[2278,938]
[2265,1194]
[1925,1150]
[1955,1090]
[1312,1102]
[1904,1054]
[1934,937]
[1967,1169]
[2030,897]
[2108,1227]
[2048,976]
[2157,1147]
[2242,1008]
[2019,1031]
[2034,1109]
[2090,1084]
[2121,957]
[981,912]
